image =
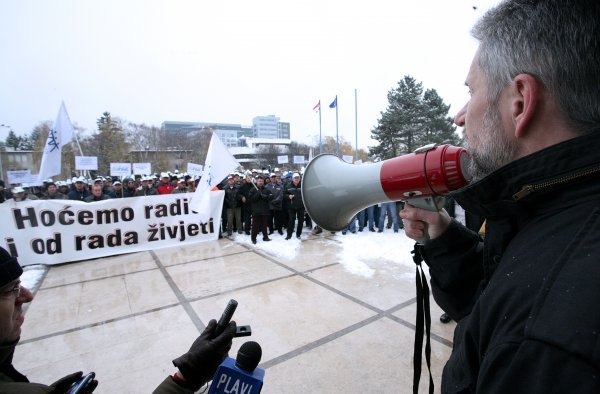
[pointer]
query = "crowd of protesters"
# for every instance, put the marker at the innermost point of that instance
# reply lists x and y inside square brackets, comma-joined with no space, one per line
[100,188]
[256,201]
[259,201]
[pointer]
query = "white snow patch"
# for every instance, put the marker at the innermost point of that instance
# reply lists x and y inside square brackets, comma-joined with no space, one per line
[32,276]
[360,248]
[357,250]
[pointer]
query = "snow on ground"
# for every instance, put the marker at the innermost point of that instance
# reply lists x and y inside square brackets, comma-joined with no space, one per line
[32,276]
[361,248]
[357,249]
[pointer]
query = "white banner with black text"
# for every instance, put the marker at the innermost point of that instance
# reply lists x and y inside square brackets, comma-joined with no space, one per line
[59,231]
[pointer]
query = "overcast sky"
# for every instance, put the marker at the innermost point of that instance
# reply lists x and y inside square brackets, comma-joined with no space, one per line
[147,61]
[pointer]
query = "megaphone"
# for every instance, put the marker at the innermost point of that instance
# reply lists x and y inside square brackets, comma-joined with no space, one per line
[334,191]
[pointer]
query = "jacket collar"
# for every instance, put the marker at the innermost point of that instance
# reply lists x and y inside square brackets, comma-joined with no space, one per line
[493,195]
[6,352]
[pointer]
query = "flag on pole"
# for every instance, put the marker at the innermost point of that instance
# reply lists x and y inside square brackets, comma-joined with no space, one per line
[317,107]
[60,134]
[333,103]
[219,163]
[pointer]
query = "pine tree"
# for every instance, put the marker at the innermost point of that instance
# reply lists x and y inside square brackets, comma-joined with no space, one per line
[411,120]
[12,140]
[109,144]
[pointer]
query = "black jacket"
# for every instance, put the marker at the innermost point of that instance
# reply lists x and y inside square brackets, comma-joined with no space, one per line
[74,194]
[233,197]
[526,298]
[259,199]
[277,190]
[296,191]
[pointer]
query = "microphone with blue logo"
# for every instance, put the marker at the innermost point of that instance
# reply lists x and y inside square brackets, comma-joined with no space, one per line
[240,375]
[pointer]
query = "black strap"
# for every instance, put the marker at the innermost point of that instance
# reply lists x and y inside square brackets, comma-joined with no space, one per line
[423,319]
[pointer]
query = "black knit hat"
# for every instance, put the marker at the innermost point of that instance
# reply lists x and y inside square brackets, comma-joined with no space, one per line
[10,269]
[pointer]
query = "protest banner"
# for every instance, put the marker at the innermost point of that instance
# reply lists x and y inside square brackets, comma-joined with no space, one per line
[120,169]
[282,160]
[194,169]
[59,231]
[18,177]
[89,163]
[298,159]
[142,168]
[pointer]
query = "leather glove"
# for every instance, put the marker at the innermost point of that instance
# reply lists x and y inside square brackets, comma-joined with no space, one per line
[200,363]
[62,386]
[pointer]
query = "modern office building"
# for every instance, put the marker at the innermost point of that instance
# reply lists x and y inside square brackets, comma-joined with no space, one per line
[270,127]
[233,135]
[228,133]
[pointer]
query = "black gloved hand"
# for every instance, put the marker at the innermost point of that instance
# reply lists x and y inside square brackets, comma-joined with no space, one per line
[200,363]
[61,386]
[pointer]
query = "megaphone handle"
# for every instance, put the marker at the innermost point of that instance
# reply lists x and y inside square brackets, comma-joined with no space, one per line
[430,203]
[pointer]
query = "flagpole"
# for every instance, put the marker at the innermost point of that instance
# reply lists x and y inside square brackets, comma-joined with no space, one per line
[356,124]
[320,131]
[337,135]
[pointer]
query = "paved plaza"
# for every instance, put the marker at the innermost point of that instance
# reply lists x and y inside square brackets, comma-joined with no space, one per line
[333,313]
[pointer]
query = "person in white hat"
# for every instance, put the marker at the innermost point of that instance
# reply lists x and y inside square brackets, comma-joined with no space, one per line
[293,192]
[145,188]
[80,192]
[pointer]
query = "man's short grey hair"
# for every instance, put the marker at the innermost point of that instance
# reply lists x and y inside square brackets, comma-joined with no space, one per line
[555,41]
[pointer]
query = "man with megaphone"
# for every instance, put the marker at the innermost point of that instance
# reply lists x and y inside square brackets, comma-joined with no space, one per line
[525,299]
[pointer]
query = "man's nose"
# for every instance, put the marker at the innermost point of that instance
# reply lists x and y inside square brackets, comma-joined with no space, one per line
[459,119]
[25,295]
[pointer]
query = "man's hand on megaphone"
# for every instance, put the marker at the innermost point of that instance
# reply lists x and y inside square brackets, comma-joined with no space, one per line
[414,220]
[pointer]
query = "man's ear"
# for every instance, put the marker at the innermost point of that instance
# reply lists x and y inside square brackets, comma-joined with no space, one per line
[526,90]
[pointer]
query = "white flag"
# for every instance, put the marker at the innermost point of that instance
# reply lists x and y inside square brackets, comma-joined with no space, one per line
[219,163]
[59,135]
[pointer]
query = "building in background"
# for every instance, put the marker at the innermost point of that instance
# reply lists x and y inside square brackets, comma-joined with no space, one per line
[270,127]
[251,145]
[232,135]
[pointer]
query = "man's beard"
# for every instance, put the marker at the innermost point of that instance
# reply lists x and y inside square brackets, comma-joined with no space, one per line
[489,147]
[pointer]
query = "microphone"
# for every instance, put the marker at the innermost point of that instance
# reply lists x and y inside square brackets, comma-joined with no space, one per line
[240,375]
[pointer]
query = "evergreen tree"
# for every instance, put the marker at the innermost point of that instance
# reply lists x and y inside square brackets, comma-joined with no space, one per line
[411,120]
[12,140]
[109,144]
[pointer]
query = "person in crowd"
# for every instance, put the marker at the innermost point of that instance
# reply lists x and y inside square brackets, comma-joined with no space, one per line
[366,218]
[293,192]
[245,189]
[79,191]
[118,189]
[145,188]
[52,192]
[130,187]
[194,368]
[2,194]
[30,192]
[391,208]
[190,183]
[19,194]
[181,187]
[109,188]
[97,194]
[524,297]
[259,199]
[233,206]
[152,180]
[63,187]
[276,205]
[350,227]
[165,186]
